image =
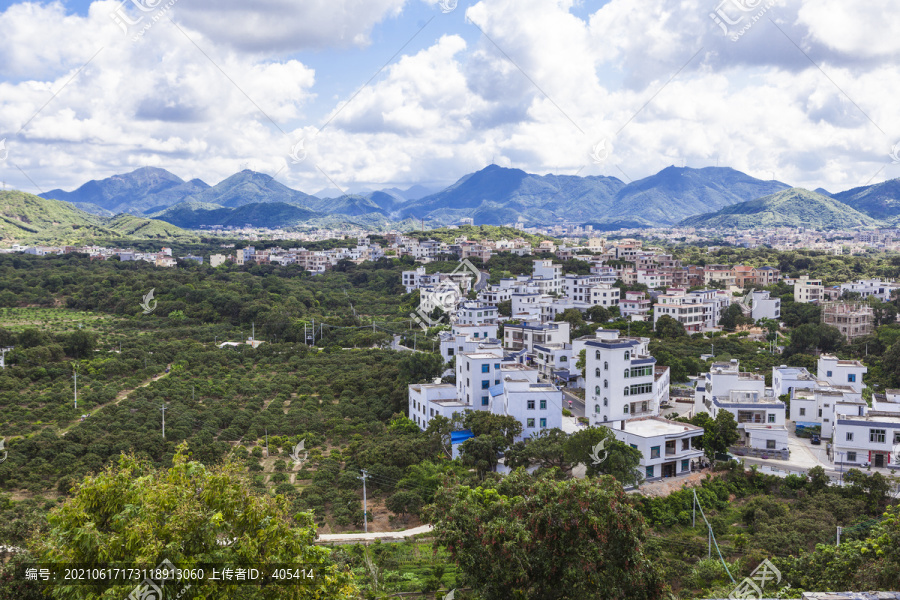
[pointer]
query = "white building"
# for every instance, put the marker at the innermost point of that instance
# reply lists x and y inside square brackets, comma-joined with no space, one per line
[636,305]
[526,335]
[808,290]
[841,372]
[889,402]
[819,406]
[476,313]
[666,445]
[619,378]
[547,276]
[427,401]
[467,338]
[871,287]
[537,406]
[785,379]
[552,358]
[476,372]
[721,380]
[697,311]
[760,417]
[764,307]
[873,440]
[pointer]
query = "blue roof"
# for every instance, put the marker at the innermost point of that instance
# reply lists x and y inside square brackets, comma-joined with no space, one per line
[458,437]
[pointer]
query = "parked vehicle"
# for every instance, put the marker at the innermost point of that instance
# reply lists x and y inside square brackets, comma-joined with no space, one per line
[815,439]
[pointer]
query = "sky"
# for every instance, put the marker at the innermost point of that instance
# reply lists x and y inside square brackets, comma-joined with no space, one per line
[368,94]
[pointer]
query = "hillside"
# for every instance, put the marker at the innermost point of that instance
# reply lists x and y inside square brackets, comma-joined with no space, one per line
[676,193]
[25,218]
[794,207]
[192,215]
[880,201]
[250,187]
[136,192]
[477,233]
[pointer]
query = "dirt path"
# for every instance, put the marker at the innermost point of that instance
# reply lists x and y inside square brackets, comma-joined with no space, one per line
[119,397]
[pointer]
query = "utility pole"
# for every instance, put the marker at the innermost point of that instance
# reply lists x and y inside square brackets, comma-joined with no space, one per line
[365,510]
[163,409]
[267,442]
[839,535]
[76,388]
[192,393]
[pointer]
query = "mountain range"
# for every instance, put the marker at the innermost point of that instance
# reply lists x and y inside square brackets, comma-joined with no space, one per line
[492,196]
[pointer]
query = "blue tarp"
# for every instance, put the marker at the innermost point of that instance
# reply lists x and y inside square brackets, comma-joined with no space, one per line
[458,437]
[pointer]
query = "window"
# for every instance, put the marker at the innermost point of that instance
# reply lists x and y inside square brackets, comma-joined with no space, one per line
[497,366]
[597,373]
[640,388]
[598,356]
[650,472]
[626,372]
[485,384]
[686,444]
[484,400]
[485,368]
[771,417]
[606,402]
[851,378]
[605,384]
[496,382]
[605,365]
[449,351]
[563,359]
[851,457]
[802,412]
[467,366]
[877,435]
[543,405]
[543,422]
[639,372]
[627,355]
[654,452]
[849,436]
[897,437]
[625,409]
[530,423]
[531,405]
[596,409]
[827,373]
[633,446]
[597,390]
[625,391]
[644,406]
[685,464]
[476,335]
[770,444]
[820,412]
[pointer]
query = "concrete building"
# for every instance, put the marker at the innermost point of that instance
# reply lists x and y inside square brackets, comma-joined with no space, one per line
[526,335]
[697,311]
[427,401]
[666,446]
[619,378]
[537,406]
[853,319]
[764,307]
[882,290]
[841,372]
[873,440]
[721,380]
[547,276]
[476,313]
[817,407]
[635,306]
[217,259]
[785,379]
[808,290]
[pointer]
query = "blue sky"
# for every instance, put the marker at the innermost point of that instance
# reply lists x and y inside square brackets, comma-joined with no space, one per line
[802,88]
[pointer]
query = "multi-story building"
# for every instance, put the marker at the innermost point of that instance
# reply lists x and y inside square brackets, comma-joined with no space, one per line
[467,338]
[526,335]
[818,406]
[474,313]
[721,379]
[841,372]
[853,319]
[883,290]
[217,259]
[547,276]
[697,311]
[873,439]
[785,379]
[537,406]
[550,359]
[666,446]
[636,306]
[808,290]
[760,417]
[619,378]
[764,307]
[766,276]
[476,372]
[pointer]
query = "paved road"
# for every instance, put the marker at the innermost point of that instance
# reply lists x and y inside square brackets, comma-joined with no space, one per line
[338,538]
[577,403]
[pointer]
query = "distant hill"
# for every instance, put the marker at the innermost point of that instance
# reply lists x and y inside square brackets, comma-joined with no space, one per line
[880,201]
[250,187]
[193,215]
[676,193]
[25,218]
[135,192]
[794,207]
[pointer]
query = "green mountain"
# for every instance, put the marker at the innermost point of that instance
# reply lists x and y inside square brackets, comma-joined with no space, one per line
[881,201]
[250,187]
[193,215]
[29,219]
[794,207]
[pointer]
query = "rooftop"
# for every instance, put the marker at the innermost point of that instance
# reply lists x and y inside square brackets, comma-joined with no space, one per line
[657,426]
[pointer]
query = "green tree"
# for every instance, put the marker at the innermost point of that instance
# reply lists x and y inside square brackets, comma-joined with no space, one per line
[718,433]
[572,316]
[598,314]
[544,538]
[135,514]
[545,449]
[667,327]
[611,456]
[80,344]
[404,502]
